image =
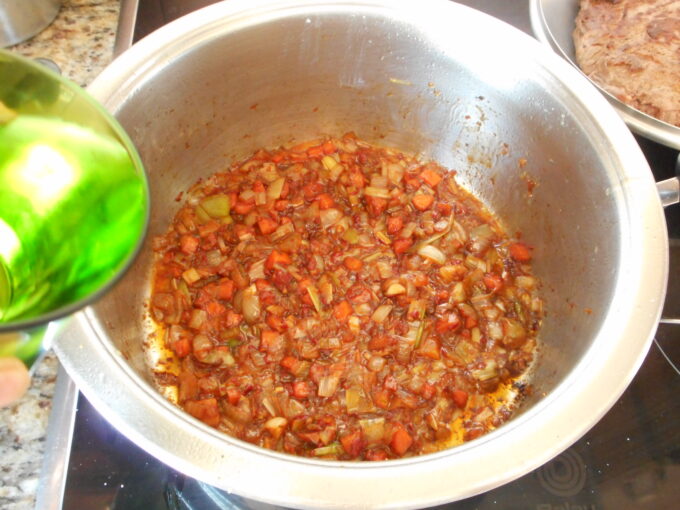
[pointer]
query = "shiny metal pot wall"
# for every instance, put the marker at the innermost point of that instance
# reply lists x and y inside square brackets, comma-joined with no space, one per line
[21,19]
[420,76]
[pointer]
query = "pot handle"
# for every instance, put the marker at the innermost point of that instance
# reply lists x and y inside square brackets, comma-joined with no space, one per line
[669,189]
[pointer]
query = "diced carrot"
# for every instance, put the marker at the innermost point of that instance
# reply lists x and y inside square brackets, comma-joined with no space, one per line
[492,281]
[420,280]
[225,289]
[412,181]
[258,187]
[352,443]
[262,285]
[343,310]
[243,207]
[459,398]
[401,440]
[278,157]
[394,224]
[277,257]
[269,340]
[233,395]
[215,309]
[188,244]
[353,263]
[267,225]
[381,398]
[208,228]
[325,201]
[301,389]
[520,252]
[431,177]
[422,201]
[401,245]
[182,347]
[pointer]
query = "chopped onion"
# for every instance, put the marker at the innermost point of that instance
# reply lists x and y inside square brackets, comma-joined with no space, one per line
[191,275]
[331,449]
[282,231]
[328,385]
[395,289]
[217,206]
[329,162]
[381,313]
[314,296]
[247,195]
[373,429]
[275,188]
[432,253]
[256,270]
[329,217]
[251,304]
[371,191]
[198,318]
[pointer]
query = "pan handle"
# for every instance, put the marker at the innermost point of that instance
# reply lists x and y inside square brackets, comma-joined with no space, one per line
[669,189]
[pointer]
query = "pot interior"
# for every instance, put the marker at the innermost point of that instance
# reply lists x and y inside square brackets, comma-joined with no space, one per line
[518,140]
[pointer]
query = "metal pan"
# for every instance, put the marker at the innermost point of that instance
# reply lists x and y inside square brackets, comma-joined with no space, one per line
[553,22]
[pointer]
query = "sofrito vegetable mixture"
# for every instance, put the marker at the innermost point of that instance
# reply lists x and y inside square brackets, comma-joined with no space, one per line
[343,301]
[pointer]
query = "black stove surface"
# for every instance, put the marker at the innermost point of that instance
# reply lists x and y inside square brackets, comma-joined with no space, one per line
[629,460]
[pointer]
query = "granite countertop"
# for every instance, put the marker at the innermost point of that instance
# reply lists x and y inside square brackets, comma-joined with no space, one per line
[80,41]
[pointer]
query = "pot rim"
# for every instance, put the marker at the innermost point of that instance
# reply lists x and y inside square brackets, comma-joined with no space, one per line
[525,442]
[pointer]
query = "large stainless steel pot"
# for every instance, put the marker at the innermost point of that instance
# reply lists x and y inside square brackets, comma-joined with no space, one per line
[424,77]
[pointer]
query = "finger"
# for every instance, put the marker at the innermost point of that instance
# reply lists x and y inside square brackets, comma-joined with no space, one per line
[14,380]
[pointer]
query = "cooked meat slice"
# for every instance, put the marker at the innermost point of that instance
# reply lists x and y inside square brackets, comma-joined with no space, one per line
[631,48]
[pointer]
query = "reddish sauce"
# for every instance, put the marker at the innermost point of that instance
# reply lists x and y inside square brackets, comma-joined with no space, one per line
[343,301]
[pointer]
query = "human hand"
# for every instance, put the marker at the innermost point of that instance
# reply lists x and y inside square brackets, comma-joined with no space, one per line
[14,380]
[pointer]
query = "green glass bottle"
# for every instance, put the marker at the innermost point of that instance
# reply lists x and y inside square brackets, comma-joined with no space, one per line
[73,198]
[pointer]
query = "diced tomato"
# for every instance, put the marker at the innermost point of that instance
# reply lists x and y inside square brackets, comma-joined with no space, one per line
[428,390]
[401,440]
[315,152]
[329,147]
[277,323]
[375,454]
[520,252]
[449,322]
[430,348]
[459,398]
[301,389]
[205,410]
[188,244]
[325,201]
[182,347]
[352,443]
[431,177]
[412,181]
[353,263]
[281,205]
[290,363]
[258,187]
[357,179]
[277,257]
[422,201]
[312,190]
[267,225]
[233,319]
[443,208]
[379,342]
[243,207]
[492,281]
[401,245]
[394,224]
[233,395]
[343,310]
[376,205]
